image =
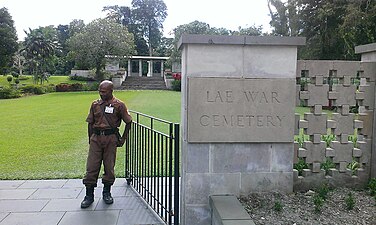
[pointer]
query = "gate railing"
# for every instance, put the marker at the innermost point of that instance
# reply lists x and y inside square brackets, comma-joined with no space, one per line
[152,164]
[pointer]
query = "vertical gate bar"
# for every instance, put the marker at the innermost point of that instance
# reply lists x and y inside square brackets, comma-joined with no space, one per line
[162,175]
[144,163]
[154,168]
[176,172]
[138,151]
[158,170]
[166,178]
[148,159]
[170,149]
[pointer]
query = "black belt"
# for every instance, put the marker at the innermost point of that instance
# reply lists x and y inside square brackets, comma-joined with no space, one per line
[104,132]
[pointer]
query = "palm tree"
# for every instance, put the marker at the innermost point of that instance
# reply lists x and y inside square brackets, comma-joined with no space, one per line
[39,49]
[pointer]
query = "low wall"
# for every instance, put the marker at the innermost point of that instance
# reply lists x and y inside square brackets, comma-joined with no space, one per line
[81,73]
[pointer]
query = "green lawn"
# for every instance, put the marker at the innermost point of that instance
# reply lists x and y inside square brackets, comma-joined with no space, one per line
[51,80]
[45,136]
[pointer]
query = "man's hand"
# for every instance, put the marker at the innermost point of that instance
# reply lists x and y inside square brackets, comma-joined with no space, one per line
[121,142]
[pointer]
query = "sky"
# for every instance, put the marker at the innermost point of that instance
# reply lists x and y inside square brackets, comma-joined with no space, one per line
[228,14]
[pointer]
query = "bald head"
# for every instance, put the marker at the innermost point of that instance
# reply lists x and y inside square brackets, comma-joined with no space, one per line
[105,90]
[107,84]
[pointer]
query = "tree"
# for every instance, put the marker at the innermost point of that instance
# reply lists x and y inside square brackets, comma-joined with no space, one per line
[8,40]
[99,38]
[149,16]
[40,45]
[332,28]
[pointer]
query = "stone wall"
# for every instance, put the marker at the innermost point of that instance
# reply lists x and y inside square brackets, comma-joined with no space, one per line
[336,146]
[237,118]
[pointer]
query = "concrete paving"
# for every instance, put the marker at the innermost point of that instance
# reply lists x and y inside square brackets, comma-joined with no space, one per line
[50,202]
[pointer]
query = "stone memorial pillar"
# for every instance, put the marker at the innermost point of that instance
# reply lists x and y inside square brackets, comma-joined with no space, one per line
[238,101]
[369,56]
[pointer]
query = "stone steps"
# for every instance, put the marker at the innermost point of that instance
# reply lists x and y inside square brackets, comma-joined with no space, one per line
[143,83]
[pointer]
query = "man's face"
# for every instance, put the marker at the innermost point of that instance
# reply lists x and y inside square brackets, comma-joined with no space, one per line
[105,92]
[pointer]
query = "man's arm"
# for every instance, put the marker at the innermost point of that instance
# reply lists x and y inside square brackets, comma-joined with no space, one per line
[89,130]
[125,133]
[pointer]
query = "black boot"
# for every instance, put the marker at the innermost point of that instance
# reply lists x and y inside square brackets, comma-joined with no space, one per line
[107,198]
[89,198]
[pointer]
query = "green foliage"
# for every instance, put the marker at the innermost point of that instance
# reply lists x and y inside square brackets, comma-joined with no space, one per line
[149,17]
[176,85]
[53,143]
[332,28]
[353,166]
[9,78]
[318,202]
[8,40]
[372,187]
[278,207]
[350,201]
[323,191]
[89,50]
[327,165]
[329,138]
[8,92]
[300,165]
[80,78]
[300,139]
[37,89]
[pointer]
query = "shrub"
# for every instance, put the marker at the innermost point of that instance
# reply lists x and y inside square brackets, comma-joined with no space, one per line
[9,78]
[6,93]
[372,187]
[34,89]
[300,165]
[350,201]
[176,85]
[80,78]
[63,87]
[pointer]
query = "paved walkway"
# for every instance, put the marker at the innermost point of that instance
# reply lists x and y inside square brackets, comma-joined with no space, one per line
[50,202]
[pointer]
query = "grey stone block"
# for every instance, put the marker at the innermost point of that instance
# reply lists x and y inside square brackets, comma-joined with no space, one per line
[228,207]
[131,217]
[197,188]
[56,193]
[16,193]
[10,184]
[231,158]
[22,205]
[109,217]
[37,218]
[60,205]
[264,182]
[282,157]
[197,215]
[225,183]
[197,156]
[3,215]
[43,184]
[257,62]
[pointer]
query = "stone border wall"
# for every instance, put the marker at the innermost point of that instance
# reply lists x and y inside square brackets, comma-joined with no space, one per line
[335,147]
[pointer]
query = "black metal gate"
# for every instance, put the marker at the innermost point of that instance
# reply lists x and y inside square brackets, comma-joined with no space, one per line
[152,164]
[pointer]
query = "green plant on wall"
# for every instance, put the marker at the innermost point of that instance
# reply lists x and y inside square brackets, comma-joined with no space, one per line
[327,165]
[353,166]
[300,165]
[329,138]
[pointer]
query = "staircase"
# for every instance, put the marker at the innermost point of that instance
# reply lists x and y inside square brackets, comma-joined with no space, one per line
[143,83]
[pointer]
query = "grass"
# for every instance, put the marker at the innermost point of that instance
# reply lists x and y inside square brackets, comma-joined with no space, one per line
[30,80]
[45,137]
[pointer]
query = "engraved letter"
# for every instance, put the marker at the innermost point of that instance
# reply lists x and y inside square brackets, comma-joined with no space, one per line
[207,97]
[204,120]
[218,97]
[251,95]
[274,97]
[229,97]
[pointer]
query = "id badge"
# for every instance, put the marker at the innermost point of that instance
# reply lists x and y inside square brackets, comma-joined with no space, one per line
[109,109]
